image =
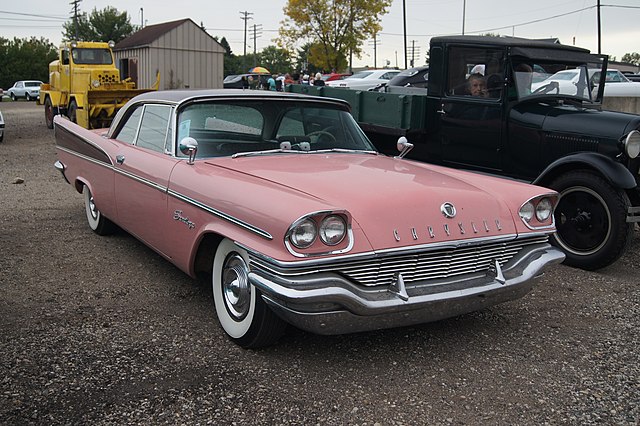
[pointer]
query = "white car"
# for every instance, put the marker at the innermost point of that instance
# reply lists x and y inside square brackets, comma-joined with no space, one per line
[616,84]
[1,127]
[28,89]
[365,80]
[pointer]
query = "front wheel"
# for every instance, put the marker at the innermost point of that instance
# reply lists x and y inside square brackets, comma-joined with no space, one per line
[97,222]
[242,313]
[591,222]
[27,97]
[49,112]
[72,111]
[13,97]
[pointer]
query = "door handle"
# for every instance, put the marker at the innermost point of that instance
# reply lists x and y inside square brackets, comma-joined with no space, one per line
[120,159]
[441,111]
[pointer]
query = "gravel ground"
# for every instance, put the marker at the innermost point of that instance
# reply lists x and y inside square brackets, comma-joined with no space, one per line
[101,330]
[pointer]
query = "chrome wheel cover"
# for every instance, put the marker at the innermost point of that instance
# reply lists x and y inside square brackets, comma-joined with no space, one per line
[235,287]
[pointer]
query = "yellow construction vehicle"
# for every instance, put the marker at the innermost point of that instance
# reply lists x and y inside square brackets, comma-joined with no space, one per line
[85,85]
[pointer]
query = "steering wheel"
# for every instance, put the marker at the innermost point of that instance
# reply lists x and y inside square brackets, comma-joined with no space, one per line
[321,133]
[547,88]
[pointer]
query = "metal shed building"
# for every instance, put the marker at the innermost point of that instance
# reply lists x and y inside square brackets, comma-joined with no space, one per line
[184,54]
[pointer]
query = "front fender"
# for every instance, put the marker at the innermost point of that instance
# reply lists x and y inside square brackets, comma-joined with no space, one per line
[617,174]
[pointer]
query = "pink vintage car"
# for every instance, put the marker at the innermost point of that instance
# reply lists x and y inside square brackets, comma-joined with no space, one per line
[283,202]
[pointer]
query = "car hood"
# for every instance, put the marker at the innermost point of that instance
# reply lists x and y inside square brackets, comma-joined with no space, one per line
[598,124]
[393,201]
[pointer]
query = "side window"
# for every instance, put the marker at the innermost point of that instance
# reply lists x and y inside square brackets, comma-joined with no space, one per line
[153,127]
[128,132]
[477,72]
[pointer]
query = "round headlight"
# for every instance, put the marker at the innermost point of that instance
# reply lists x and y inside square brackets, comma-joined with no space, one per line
[526,211]
[544,210]
[95,83]
[632,144]
[332,230]
[303,234]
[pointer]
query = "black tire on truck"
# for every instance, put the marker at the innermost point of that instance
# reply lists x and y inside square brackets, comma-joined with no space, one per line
[72,111]
[590,218]
[49,112]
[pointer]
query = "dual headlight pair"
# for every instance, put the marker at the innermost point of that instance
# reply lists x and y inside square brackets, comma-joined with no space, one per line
[330,229]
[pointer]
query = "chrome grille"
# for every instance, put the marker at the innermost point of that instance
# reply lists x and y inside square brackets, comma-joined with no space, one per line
[415,266]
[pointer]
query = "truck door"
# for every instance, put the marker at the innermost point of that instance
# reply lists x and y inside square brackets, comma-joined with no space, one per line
[64,73]
[471,112]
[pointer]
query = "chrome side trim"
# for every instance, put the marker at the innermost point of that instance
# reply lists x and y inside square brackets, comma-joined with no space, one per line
[86,157]
[142,180]
[221,215]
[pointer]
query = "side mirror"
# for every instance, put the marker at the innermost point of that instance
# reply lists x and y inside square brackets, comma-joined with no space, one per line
[189,146]
[403,146]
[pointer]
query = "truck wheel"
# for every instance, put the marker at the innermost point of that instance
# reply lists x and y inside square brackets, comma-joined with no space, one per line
[591,220]
[49,112]
[72,110]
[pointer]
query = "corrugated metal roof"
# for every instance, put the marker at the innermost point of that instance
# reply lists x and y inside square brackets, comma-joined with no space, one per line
[149,34]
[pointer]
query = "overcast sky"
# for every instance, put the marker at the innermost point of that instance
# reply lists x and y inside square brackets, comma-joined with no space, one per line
[572,21]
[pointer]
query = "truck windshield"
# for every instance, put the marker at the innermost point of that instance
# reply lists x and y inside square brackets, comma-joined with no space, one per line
[95,56]
[536,79]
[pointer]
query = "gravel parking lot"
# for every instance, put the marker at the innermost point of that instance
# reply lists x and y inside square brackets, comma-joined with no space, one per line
[101,330]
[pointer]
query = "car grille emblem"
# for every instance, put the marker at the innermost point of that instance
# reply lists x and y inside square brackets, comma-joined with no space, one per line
[448,210]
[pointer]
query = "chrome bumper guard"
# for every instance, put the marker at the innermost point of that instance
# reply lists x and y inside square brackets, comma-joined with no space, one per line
[327,303]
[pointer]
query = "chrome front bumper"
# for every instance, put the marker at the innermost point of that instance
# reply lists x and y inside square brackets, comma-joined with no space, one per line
[327,303]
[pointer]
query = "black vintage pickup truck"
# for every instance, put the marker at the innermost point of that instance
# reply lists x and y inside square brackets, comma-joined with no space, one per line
[536,117]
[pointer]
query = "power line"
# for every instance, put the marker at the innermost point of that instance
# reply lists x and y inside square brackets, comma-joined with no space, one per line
[35,15]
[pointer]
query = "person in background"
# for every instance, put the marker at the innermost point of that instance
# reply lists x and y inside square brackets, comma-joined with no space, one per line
[477,85]
[318,81]
[305,79]
[288,79]
[271,84]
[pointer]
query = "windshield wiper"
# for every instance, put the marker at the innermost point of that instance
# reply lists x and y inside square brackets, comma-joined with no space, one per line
[291,151]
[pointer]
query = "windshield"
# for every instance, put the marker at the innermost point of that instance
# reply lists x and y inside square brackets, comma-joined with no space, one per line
[92,56]
[549,79]
[225,128]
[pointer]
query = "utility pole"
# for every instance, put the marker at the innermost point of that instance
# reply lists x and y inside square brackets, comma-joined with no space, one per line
[141,18]
[375,46]
[257,32]
[404,31]
[245,16]
[599,33]
[75,4]
[464,12]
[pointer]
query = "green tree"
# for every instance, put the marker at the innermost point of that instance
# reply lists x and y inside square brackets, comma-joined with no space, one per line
[338,27]
[276,60]
[101,25]
[631,58]
[25,59]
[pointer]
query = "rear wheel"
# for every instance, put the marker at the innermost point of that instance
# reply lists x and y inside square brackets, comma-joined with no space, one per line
[242,313]
[97,222]
[591,220]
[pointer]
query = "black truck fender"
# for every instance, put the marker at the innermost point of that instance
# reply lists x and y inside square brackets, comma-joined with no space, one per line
[615,173]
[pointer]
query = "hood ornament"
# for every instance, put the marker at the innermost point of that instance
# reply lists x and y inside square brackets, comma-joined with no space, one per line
[448,210]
